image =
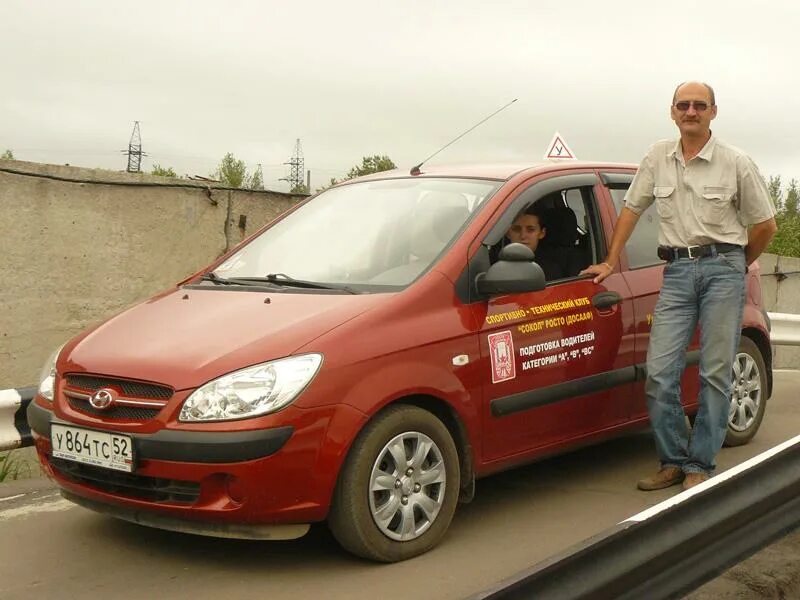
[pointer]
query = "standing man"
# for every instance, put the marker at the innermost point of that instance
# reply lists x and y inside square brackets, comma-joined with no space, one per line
[707,194]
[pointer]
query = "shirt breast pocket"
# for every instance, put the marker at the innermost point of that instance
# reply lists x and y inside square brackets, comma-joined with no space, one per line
[665,202]
[717,202]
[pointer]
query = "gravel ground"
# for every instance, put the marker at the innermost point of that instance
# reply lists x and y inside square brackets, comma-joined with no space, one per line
[774,572]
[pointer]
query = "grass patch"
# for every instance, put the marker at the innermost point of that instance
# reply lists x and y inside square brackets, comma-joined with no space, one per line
[11,467]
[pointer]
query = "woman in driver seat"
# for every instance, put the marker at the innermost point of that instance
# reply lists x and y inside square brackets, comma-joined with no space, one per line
[529,229]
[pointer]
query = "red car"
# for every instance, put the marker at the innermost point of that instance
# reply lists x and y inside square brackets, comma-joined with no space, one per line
[368,355]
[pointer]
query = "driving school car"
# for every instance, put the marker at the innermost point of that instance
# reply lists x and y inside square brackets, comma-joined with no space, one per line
[363,359]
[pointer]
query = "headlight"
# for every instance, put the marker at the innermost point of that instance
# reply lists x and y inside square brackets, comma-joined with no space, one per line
[47,378]
[253,391]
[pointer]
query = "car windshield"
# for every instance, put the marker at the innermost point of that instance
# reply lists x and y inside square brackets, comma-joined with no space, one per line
[363,235]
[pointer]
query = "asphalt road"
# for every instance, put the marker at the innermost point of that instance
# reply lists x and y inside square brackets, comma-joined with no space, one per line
[50,548]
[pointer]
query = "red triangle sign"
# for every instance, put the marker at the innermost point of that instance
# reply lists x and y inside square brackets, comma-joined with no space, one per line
[558,149]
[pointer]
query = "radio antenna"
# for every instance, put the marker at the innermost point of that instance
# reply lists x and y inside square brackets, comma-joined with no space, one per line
[416,171]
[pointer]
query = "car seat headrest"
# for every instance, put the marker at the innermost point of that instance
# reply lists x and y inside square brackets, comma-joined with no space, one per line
[562,226]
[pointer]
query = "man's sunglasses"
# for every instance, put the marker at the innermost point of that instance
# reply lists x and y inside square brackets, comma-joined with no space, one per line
[699,105]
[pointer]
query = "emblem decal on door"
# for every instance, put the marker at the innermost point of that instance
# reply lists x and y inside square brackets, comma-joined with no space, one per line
[501,352]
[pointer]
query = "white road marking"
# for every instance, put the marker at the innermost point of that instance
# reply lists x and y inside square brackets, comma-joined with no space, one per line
[11,497]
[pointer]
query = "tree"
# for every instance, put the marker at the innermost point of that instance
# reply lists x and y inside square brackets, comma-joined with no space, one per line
[231,172]
[774,188]
[256,181]
[299,189]
[371,164]
[790,204]
[163,171]
[331,183]
[787,239]
[7,155]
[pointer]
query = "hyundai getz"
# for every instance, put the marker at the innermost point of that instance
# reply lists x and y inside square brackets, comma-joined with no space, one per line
[363,359]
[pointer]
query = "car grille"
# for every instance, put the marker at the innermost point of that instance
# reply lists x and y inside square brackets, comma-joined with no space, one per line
[136,401]
[130,413]
[133,389]
[153,489]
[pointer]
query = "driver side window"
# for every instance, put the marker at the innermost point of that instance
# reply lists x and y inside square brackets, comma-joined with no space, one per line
[560,227]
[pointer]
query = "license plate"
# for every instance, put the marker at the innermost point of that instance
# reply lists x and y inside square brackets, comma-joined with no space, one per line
[98,448]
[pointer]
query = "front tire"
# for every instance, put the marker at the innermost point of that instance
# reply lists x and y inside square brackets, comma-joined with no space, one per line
[398,489]
[749,394]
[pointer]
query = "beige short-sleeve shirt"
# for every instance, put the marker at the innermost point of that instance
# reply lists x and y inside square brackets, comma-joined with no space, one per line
[710,199]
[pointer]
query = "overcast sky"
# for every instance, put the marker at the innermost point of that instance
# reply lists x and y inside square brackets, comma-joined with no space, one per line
[402,78]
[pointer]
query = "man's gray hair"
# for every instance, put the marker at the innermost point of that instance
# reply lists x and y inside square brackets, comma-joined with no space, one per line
[703,83]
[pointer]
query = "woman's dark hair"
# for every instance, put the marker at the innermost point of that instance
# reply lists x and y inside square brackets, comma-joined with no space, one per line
[535,209]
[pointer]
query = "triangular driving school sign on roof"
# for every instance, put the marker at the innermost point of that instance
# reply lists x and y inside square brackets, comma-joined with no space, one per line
[558,149]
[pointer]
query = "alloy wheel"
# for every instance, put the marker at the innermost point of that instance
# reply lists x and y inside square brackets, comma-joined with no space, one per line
[407,486]
[746,393]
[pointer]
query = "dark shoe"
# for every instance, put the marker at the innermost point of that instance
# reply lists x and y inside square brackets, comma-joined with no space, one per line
[693,479]
[665,478]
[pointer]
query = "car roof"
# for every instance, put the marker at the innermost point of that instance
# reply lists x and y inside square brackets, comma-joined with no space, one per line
[498,171]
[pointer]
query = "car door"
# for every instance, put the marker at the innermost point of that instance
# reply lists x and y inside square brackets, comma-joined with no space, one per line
[552,368]
[643,271]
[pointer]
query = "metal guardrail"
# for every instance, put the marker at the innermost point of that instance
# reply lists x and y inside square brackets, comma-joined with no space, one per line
[14,430]
[785,329]
[676,546]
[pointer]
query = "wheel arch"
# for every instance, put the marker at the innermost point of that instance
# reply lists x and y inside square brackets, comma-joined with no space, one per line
[451,420]
[762,341]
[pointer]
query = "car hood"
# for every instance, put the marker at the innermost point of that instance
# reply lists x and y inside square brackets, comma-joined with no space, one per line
[185,338]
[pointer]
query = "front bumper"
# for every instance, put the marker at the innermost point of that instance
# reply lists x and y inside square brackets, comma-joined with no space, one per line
[183,446]
[228,483]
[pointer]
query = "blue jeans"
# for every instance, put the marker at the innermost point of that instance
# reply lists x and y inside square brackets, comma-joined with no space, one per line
[710,291]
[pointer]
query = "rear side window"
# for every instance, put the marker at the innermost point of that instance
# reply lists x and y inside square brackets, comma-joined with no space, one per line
[642,245]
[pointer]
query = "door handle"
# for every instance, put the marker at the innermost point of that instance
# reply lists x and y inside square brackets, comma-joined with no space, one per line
[606,299]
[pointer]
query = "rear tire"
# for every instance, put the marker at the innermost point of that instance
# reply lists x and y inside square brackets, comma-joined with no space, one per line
[749,394]
[399,486]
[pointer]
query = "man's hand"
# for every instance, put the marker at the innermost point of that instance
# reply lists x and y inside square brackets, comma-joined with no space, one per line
[602,270]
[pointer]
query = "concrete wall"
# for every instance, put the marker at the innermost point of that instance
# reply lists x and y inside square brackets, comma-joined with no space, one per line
[79,245]
[780,284]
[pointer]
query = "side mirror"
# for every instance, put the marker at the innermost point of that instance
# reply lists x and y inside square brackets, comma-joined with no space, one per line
[513,273]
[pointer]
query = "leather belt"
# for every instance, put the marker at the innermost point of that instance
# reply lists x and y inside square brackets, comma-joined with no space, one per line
[703,251]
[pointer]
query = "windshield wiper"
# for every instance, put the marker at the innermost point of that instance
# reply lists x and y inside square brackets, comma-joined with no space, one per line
[284,279]
[274,280]
[216,279]
[246,281]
